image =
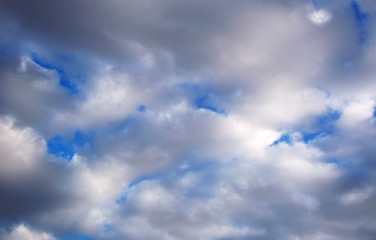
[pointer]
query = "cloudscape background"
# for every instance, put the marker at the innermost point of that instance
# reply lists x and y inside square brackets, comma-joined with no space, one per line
[187,120]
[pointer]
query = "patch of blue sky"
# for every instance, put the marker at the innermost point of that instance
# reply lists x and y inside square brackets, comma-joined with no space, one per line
[332,160]
[323,125]
[374,112]
[122,199]
[326,122]
[142,108]
[330,116]
[309,136]
[81,139]
[284,138]
[203,98]
[65,148]
[360,20]
[60,148]
[203,102]
[74,68]
[64,81]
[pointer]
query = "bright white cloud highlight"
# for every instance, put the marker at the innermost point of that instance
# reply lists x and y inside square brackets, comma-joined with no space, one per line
[320,17]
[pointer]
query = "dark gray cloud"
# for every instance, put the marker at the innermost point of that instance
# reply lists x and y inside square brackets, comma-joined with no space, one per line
[34,193]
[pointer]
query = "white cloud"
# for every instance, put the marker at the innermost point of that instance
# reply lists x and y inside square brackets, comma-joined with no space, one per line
[21,148]
[101,182]
[111,96]
[320,17]
[23,232]
[175,170]
[356,196]
[356,112]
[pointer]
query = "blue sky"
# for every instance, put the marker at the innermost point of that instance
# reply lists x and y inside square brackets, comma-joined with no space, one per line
[187,120]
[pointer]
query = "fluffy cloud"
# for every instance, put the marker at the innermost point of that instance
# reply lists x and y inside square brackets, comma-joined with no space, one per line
[110,98]
[21,148]
[23,232]
[28,182]
[187,120]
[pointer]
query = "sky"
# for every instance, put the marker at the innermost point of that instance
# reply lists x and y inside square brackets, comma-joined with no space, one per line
[187,120]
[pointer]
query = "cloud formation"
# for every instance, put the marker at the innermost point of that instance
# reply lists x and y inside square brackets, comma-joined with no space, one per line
[187,120]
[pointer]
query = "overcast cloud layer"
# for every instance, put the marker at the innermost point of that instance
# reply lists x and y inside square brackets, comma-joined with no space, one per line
[187,120]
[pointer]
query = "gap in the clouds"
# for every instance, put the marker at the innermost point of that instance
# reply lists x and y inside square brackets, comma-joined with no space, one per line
[374,112]
[142,108]
[80,139]
[202,103]
[326,123]
[203,98]
[309,136]
[306,137]
[332,161]
[322,126]
[122,199]
[330,116]
[360,20]
[60,148]
[64,81]
[284,138]
[65,148]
